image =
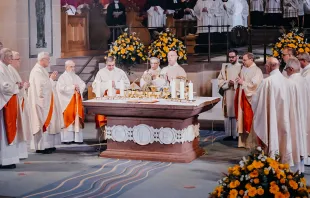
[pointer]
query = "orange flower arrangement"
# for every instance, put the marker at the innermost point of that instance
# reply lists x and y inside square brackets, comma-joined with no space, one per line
[261,176]
[292,39]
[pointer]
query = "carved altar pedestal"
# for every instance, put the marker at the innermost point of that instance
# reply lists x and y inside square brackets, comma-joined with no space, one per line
[162,131]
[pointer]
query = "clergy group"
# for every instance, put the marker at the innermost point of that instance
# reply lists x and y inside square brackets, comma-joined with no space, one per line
[46,112]
[271,112]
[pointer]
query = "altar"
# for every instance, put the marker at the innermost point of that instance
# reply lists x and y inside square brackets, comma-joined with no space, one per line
[157,130]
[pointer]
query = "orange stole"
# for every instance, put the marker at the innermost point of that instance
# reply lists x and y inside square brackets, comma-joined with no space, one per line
[101,120]
[246,108]
[10,118]
[50,113]
[75,106]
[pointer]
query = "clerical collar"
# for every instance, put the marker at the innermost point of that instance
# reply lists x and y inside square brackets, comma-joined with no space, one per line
[273,72]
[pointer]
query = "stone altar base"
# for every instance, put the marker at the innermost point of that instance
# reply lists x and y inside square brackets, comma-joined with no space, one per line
[143,129]
[182,153]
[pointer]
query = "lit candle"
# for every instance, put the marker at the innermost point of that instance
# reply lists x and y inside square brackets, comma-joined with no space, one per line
[110,88]
[190,91]
[121,89]
[182,90]
[172,89]
[98,89]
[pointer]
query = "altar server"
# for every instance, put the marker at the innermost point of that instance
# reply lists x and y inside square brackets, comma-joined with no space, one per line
[232,13]
[9,89]
[173,70]
[155,13]
[204,11]
[152,75]
[249,80]
[23,122]
[228,74]
[301,104]
[274,115]
[290,12]
[45,110]
[257,12]
[245,12]
[116,14]
[301,13]
[70,88]
[187,9]
[307,13]
[273,11]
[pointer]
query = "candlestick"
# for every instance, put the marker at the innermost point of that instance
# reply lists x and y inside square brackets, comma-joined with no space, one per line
[172,87]
[190,91]
[98,89]
[182,90]
[110,88]
[121,88]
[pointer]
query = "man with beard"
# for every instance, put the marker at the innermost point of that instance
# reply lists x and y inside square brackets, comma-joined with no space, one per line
[227,85]
[70,88]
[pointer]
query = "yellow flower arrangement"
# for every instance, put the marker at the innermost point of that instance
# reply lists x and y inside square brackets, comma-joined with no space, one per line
[261,176]
[293,39]
[167,42]
[128,49]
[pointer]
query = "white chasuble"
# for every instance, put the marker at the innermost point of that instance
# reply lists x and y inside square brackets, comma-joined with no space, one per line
[274,119]
[66,92]
[46,117]
[24,135]
[8,152]
[157,81]
[104,76]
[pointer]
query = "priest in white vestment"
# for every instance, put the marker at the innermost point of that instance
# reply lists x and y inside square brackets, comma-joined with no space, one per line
[45,114]
[152,76]
[9,155]
[204,11]
[304,59]
[249,80]
[226,82]
[274,119]
[23,120]
[173,70]
[301,104]
[109,77]
[70,88]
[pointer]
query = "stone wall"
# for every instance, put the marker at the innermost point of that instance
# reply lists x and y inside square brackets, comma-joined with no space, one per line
[14,31]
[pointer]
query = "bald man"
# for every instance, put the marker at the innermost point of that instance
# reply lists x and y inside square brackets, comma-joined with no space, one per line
[173,70]
[70,88]
[293,71]
[274,120]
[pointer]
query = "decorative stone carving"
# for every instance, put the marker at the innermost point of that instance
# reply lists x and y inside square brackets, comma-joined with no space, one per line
[143,134]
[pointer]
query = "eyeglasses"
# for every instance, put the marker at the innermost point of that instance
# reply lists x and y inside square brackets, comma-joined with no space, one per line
[231,56]
[285,54]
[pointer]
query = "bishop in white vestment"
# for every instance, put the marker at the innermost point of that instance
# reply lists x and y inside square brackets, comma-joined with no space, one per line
[70,88]
[301,105]
[249,80]
[24,135]
[226,81]
[9,156]
[274,119]
[45,114]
